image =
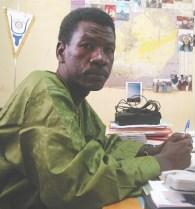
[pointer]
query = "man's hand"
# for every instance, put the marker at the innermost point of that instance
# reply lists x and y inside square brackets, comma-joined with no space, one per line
[175,153]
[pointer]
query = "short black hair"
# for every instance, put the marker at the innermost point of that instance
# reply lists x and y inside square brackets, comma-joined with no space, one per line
[92,14]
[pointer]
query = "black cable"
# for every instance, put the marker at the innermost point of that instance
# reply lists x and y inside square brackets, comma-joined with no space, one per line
[127,106]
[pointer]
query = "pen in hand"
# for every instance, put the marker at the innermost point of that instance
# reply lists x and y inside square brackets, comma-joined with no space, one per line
[187,126]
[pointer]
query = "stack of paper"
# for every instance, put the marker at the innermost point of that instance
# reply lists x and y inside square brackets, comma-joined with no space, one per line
[171,199]
[151,132]
[164,197]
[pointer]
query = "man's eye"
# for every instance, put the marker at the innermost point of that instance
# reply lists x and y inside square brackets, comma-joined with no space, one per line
[88,46]
[109,50]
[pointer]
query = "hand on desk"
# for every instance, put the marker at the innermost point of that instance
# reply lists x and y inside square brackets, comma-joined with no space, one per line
[175,153]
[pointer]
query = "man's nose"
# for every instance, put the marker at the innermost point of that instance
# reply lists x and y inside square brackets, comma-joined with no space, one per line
[98,56]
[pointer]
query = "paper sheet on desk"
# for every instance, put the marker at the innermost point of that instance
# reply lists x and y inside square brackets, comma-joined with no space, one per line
[162,196]
[163,125]
[170,199]
[158,186]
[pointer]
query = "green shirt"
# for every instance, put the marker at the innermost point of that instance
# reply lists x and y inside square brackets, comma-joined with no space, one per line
[55,155]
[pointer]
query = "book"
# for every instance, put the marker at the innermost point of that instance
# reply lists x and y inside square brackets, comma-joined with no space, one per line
[151,132]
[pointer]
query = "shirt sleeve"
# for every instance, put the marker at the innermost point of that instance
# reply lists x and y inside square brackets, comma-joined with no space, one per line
[70,171]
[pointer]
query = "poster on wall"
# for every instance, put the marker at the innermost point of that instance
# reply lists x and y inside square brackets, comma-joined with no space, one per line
[176,82]
[19,24]
[184,22]
[185,41]
[77,4]
[111,10]
[158,52]
[122,11]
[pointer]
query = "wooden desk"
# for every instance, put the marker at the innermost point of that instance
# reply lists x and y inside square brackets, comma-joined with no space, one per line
[130,203]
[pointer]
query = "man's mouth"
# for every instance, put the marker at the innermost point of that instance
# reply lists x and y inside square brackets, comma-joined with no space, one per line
[97,77]
[98,73]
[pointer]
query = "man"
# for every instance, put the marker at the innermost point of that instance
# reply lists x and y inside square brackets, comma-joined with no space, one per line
[53,150]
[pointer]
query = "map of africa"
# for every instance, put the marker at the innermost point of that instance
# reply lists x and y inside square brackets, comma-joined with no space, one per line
[146,47]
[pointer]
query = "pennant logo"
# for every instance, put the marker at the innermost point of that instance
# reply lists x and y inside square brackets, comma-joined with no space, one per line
[19,24]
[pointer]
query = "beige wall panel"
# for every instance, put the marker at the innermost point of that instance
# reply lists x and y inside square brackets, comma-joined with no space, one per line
[38,50]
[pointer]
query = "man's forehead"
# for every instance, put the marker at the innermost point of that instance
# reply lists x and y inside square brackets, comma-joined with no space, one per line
[94,30]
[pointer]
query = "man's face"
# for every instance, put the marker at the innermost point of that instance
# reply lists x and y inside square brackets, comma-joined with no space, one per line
[89,56]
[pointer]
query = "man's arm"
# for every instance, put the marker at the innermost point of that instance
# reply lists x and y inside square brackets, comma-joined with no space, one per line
[69,171]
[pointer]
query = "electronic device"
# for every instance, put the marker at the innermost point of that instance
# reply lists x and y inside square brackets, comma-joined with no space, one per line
[180,180]
[133,91]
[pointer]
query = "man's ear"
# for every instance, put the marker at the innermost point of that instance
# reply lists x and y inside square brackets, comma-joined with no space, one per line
[60,52]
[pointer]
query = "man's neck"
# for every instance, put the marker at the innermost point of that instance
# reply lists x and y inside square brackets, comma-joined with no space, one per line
[78,94]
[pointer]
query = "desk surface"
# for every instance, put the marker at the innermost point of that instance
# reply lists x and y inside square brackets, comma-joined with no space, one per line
[129,203]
